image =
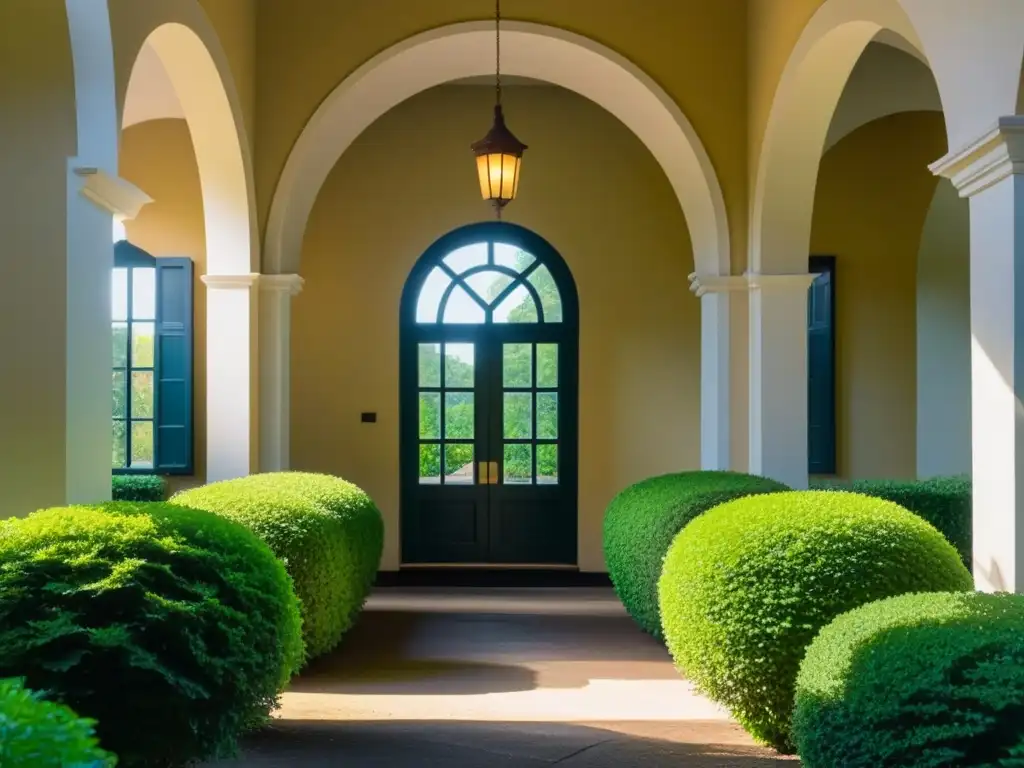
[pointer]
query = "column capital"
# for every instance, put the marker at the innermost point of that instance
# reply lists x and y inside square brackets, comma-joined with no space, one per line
[987,160]
[705,284]
[290,284]
[111,193]
[230,282]
[790,282]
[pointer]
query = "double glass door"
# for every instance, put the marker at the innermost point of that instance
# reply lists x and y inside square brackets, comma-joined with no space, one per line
[489,432]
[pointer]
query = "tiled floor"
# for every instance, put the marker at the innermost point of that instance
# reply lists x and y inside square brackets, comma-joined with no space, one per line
[498,677]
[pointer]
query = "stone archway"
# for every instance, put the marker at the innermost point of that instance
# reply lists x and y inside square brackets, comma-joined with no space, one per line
[529,50]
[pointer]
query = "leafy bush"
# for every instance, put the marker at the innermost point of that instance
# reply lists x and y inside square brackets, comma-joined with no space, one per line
[945,502]
[40,734]
[747,585]
[328,532]
[173,628]
[139,488]
[916,680]
[642,520]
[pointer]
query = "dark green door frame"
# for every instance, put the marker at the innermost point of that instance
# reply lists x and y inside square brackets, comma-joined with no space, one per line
[514,502]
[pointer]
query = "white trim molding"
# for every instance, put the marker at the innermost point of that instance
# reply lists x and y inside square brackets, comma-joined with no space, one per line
[987,160]
[231,281]
[703,284]
[111,193]
[290,284]
[792,282]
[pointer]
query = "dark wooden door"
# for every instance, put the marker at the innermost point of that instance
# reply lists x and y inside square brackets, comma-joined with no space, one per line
[489,355]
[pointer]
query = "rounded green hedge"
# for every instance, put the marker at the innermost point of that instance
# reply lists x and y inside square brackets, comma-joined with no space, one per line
[916,680]
[747,585]
[173,628]
[642,520]
[35,733]
[138,488]
[945,502]
[327,531]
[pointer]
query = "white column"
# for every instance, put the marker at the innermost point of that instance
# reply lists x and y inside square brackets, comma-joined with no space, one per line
[231,307]
[276,292]
[990,172]
[778,377]
[95,200]
[715,366]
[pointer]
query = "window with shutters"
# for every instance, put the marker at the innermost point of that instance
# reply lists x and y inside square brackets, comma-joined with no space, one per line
[152,362]
[821,368]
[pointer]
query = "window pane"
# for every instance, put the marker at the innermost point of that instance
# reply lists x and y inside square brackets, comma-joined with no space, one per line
[430,464]
[461,308]
[144,293]
[512,257]
[547,464]
[518,464]
[120,445]
[430,415]
[488,285]
[458,464]
[547,365]
[467,257]
[550,299]
[142,345]
[142,444]
[458,415]
[517,365]
[458,365]
[547,415]
[142,394]
[430,296]
[518,415]
[517,307]
[119,296]
[120,332]
[430,365]
[120,406]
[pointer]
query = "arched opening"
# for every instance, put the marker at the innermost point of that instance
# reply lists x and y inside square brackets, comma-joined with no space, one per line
[488,366]
[183,141]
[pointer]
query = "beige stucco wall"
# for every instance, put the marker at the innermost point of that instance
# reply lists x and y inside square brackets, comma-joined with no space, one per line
[595,193]
[874,192]
[157,157]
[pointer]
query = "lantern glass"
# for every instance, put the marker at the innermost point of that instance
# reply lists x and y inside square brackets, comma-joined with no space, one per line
[499,176]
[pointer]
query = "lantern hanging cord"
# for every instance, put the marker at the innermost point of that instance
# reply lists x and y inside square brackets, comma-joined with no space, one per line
[497,41]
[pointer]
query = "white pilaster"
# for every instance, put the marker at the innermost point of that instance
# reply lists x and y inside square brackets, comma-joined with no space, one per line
[231,307]
[276,292]
[778,377]
[95,199]
[990,172]
[714,292]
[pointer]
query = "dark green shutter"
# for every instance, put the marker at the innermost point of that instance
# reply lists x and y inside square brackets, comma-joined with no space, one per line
[821,369]
[174,366]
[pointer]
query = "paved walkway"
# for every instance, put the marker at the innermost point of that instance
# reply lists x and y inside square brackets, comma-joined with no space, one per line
[467,678]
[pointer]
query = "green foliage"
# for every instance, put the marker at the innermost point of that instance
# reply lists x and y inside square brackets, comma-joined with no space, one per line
[916,681]
[173,628]
[35,733]
[747,585]
[945,502]
[642,520]
[328,533]
[139,488]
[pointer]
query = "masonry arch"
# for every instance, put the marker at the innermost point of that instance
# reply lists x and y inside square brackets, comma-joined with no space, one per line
[529,50]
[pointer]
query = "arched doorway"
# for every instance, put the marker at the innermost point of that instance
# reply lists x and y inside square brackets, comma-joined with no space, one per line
[489,358]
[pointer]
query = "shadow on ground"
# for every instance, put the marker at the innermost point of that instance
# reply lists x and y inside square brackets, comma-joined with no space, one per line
[426,744]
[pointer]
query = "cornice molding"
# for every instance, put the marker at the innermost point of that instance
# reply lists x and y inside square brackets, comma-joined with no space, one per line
[111,193]
[987,160]
[789,282]
[290,284]
[228,282]
[701,285]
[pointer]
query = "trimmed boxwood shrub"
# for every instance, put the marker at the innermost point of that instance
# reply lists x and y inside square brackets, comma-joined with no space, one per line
[327,531]
[35,733]
[747,585]
[945,502]
[173,628]
[642,520]
[138,488]
[916,680]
